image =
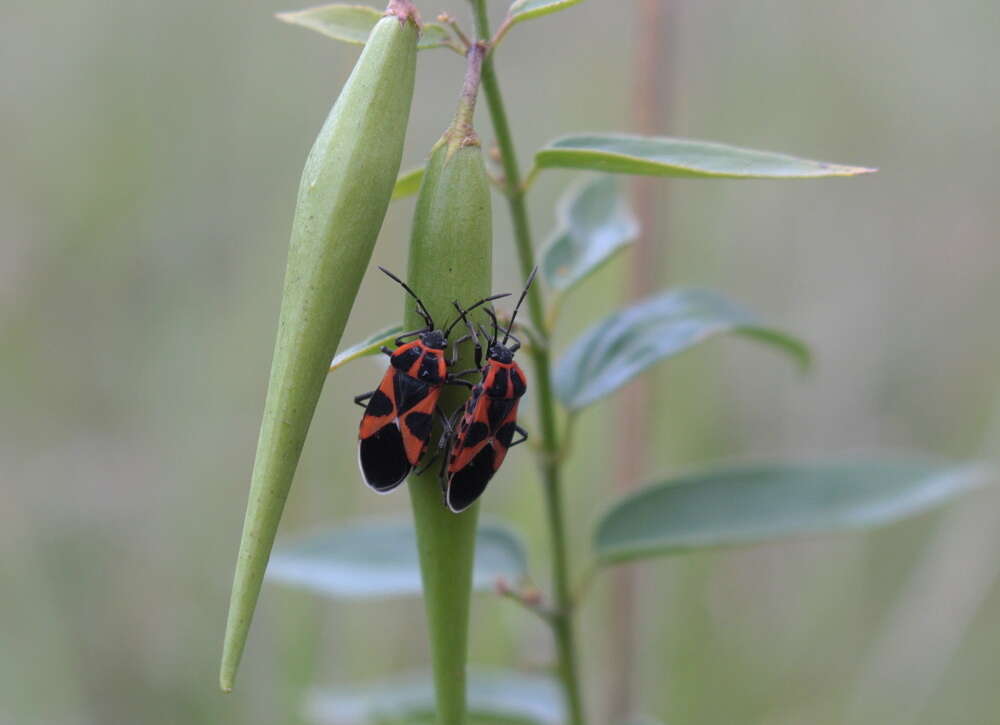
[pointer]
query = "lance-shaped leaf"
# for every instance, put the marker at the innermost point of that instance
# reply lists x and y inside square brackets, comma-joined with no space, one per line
[595,222]
[685,158]
[378,558]
[408,183]
[371,345]
[494,696]
[527,9]
[353,24]
[742,505]
[621,346]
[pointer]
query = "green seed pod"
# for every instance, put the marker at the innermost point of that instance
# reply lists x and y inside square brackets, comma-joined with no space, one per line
[345,190]
[450,259]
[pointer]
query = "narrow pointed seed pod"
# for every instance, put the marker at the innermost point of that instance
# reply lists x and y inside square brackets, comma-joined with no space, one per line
[342,201]
[450,259]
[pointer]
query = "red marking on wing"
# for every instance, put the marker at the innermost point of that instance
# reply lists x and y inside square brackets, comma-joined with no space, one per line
[415,446]
[371,424]
[463,455]
[500,450]
[491,372]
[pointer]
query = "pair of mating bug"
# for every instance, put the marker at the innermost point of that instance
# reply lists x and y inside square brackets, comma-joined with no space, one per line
[399,415]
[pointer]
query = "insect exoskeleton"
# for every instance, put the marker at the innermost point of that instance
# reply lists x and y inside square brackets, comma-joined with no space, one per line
[399,414]
[478,442]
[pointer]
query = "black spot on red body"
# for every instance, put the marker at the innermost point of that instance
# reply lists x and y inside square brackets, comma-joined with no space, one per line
[403,359]
[498,410]
[419,424]
[379,405]
[506,434]
[475,434]
[498,387]
[518,382]
[430,369]
[409,391]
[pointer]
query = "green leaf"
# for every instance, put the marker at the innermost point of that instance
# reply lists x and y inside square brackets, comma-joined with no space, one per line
[408,183]
[378,558]
[661,156]
[595,222]
[746,504]
[432,36]
[621,346]
[495,696]
[371,345]
[527,9]
[353,23]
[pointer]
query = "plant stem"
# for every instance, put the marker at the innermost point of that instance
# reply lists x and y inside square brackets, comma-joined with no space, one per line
[452,220]
[562,616]
[462,132]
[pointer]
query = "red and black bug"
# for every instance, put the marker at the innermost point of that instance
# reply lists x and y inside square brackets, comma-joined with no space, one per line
[482,436]
[399,414]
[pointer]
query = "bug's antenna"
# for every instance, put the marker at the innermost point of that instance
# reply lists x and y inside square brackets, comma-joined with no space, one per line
[486,334]
[461,316]
[510,326]
[462,313]
[472,334]
[496,326]
[421,310]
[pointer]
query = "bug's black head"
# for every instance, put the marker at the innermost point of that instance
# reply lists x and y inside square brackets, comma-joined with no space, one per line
[501,353]
[434,339]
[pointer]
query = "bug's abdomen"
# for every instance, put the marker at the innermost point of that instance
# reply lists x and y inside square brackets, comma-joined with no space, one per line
[395,429]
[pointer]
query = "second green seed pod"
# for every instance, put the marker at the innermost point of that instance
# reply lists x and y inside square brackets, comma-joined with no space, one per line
[450,260]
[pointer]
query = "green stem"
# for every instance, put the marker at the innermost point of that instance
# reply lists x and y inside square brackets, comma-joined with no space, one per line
[562,617]
[452,221]
[462,132]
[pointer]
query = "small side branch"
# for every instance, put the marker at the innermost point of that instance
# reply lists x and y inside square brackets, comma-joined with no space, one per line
[446,19]
[528,597]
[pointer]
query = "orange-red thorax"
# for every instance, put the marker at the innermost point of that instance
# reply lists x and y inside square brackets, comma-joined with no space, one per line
[504,380]
[421,361]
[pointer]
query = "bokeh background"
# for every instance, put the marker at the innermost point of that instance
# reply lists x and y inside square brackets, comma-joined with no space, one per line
[149,157]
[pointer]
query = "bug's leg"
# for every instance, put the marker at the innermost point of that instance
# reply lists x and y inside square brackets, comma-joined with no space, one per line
[444,442]
[449,424]
[455,380]
[522,439]
[413,333]
[443,475]
[454,349]
[472,335]
[448,431]
[363,398]
[446,422]
[427,464]
[386,350]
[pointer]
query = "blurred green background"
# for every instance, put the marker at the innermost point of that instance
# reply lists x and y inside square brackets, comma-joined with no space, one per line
[149,157]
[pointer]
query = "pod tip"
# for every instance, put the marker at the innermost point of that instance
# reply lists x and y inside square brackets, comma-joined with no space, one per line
[230,663]
[404,10]
[226,679]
